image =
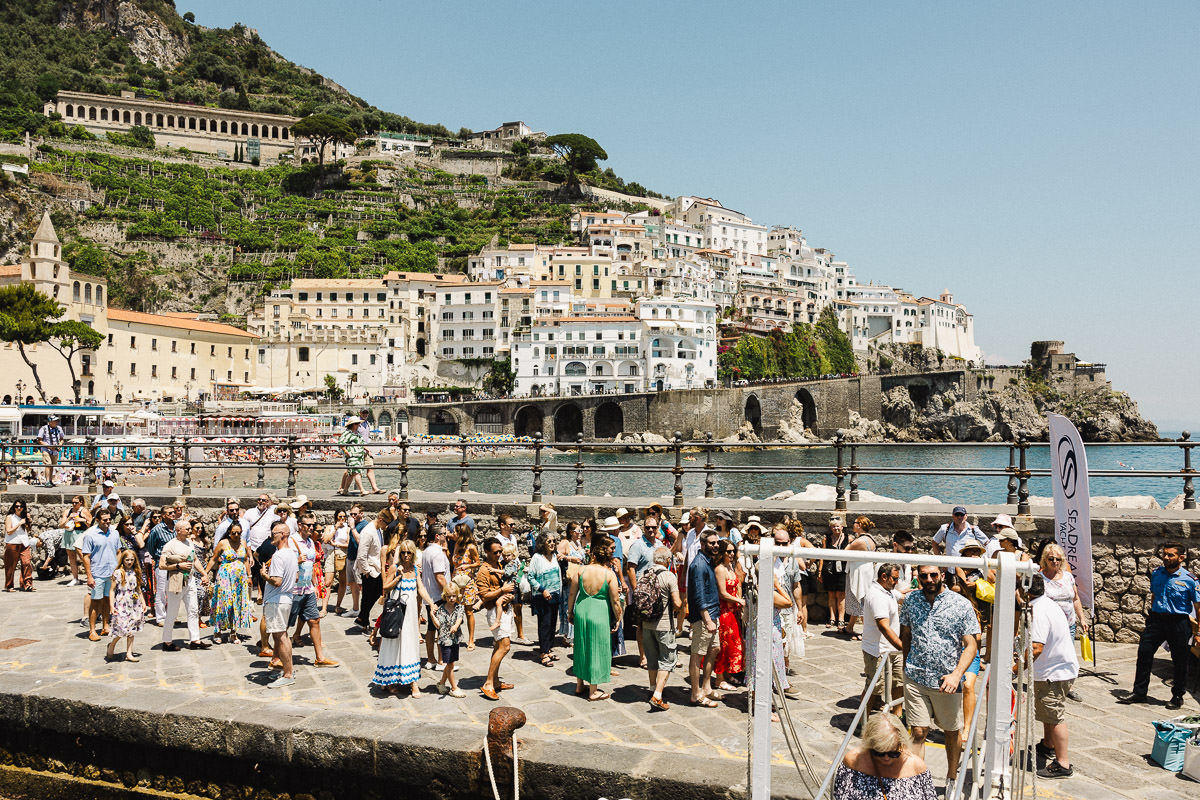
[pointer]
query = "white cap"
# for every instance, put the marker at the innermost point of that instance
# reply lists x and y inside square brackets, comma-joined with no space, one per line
[109,484]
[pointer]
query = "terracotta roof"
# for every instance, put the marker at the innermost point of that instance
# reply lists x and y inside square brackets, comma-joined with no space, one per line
[10,271]
[170,321]
[397,275]
[522,247]
[337,283]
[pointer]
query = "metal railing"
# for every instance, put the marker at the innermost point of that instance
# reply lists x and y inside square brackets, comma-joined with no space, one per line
[182,453]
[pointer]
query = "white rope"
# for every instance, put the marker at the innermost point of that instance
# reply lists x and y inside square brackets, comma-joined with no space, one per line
[487,757]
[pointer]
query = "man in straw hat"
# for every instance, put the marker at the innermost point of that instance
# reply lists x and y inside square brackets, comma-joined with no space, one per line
[353,450]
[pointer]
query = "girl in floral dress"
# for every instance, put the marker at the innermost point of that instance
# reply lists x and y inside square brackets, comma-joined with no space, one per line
[466,564]
[231,601]
[128,607]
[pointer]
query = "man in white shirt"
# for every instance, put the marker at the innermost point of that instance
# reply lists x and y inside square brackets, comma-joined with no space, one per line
[282,572]
[881,637]
[257,522]
[1054,671]
[435,577]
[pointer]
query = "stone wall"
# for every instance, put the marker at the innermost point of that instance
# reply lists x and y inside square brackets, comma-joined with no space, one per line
[1125,545]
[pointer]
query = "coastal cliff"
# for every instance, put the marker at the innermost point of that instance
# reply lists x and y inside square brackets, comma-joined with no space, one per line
[1005,414]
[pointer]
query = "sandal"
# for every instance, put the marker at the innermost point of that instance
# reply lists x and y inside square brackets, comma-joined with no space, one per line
[598,696]
[547,661]
[704,702]
[854,637]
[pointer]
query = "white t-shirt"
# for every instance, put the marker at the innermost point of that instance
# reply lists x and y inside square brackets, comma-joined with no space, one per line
[433,562]
[1049,628]
[879,604]
[341,536]
[256,529]
[19,535]
[284,564]
[1062,591]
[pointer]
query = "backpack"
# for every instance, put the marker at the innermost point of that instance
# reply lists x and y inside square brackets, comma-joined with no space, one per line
[647,599]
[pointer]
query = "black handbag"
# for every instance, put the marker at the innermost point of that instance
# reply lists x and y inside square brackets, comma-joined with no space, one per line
[392,619]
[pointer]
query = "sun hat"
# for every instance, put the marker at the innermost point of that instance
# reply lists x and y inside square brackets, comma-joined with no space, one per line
[754,521]
[622,512]
[1011,535]
[1003,520]
[353,419]
[610,524]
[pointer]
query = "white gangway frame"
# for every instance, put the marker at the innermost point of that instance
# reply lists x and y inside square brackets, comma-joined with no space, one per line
[999,713]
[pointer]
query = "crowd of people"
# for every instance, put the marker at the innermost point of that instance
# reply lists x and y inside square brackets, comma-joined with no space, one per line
[421,590]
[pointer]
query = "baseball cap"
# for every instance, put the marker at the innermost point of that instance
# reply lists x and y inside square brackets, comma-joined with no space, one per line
[109,484]
[960,510]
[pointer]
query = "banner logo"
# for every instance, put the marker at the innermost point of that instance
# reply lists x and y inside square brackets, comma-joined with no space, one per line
[1069,465]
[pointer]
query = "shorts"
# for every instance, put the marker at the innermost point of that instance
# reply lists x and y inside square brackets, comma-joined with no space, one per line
[276,616]
[924,707]
[894,670]
[975,666]
[1050,701]
[49,458]
[449,653]
[807,584]
[102,588]
[507,624]
[368,462]
[304,606]
[659,649]
[352,576]
[704,642]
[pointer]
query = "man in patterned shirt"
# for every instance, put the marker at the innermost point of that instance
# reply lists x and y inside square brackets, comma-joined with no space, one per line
[939,631]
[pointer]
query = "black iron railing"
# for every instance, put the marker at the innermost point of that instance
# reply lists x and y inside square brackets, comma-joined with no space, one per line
[180,455]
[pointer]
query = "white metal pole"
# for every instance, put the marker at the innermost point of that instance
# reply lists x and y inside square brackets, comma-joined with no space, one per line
[999,710]
[760,749]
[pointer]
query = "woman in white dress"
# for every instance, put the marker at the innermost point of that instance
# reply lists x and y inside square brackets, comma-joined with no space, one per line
[400,658]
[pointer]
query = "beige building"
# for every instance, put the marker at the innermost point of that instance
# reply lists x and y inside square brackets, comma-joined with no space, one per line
[207,130]
[175,356]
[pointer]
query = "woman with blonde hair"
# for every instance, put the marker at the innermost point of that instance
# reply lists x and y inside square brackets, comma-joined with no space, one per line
[549,518]
[884,767]
[400,657]
[1060,586]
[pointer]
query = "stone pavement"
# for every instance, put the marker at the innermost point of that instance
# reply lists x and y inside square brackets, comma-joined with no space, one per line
[1110,743]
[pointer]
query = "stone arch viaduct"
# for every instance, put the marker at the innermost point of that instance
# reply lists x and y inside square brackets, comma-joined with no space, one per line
[822,405]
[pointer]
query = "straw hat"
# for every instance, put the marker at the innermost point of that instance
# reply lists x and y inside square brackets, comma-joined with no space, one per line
[611,525]
[353,419]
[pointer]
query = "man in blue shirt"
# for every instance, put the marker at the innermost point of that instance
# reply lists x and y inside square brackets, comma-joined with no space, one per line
[704,606]
[99,547]
[50,437]
[1176,596]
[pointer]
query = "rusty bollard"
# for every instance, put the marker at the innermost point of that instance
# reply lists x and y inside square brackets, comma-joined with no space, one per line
[502,722]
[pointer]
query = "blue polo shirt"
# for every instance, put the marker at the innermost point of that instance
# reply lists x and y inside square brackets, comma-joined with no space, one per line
[1174,592]
[641,555]
[102,547]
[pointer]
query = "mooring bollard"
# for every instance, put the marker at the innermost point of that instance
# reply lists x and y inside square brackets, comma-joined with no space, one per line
[500,748]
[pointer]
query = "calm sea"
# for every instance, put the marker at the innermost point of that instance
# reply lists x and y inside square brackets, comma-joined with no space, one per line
[768,473]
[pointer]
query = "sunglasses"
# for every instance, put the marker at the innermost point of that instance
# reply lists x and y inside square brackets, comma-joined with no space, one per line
[886,753]
[1053,559]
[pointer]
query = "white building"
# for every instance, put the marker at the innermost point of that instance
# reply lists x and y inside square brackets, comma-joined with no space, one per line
[680,337]
[574,355]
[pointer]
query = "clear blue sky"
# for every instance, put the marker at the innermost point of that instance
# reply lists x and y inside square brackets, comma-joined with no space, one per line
[1038,159]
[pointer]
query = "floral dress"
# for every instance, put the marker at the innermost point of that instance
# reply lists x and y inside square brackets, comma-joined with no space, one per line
[231,608]
[730,657]
[319,570]
[468,569]
[129,609]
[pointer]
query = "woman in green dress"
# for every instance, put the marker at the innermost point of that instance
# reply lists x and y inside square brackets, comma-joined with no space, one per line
[595,611]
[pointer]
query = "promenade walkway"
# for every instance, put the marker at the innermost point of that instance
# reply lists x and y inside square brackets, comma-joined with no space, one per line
[1109,743]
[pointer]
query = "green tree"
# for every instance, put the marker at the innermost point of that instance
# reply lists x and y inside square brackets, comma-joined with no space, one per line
[142,135]
[30,317]
[331,386]
[579,154]
[839,353]
[500,380]
[323,130]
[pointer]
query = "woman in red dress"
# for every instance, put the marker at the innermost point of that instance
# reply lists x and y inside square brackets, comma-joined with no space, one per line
[729,584]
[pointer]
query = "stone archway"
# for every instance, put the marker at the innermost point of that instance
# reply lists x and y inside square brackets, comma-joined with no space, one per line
[809,414]
[610,421]
[568,422]
[442,423]
[529,421]
[489,419]
[754,414]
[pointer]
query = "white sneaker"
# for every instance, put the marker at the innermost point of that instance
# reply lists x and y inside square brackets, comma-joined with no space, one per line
[73,582]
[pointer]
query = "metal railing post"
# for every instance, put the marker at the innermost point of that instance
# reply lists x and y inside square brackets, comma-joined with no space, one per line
[536,497]
[1023,474]
[262,465]
[578,463]
[708,464]
[464,465]
[854,473]
[4,465]
[291,466]
[677,443]
[171,462]
[404,466]
[1011,469]
[839,473]
[187,469]
[1189,489]
[91,465]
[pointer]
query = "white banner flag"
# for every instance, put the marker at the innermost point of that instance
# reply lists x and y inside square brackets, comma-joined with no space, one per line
[1072,515]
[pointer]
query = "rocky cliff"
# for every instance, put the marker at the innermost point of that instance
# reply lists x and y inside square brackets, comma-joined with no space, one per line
[150,38]
[1005,414]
